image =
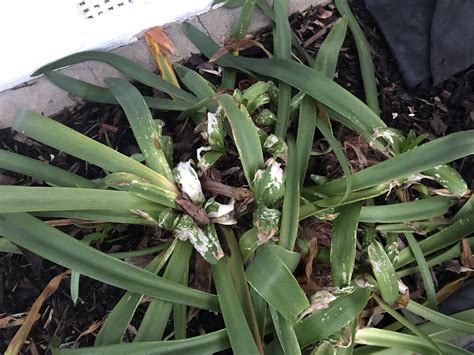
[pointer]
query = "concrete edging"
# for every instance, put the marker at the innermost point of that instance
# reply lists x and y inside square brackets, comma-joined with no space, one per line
[42,96]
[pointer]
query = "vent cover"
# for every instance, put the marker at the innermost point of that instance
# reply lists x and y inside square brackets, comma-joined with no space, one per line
[92,9]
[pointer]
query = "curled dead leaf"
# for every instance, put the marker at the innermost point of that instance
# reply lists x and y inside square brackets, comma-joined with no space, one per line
[238,193]
[238,45]
[198,213]
[157,36]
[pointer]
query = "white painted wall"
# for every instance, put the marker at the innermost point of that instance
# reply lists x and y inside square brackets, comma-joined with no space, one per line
[36,32]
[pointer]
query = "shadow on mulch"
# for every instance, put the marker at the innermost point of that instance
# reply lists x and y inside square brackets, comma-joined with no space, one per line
[443,109]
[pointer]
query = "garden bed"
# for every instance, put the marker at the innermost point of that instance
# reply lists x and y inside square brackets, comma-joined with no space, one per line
[438,111]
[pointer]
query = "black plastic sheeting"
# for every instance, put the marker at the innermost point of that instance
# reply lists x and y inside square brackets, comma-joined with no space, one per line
[430,39]
[461,300]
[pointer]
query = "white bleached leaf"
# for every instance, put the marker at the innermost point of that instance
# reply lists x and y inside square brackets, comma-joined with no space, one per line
[220,213]
[188,181]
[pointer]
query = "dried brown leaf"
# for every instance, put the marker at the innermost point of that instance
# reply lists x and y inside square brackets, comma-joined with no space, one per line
[91,329]
[467,258]
[161,49]
[14,320]
[237,193]
[18,340]
[450,288]
[238,45]
[196,212]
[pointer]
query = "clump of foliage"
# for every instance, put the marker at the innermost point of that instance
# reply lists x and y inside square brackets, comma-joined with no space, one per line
[271,124]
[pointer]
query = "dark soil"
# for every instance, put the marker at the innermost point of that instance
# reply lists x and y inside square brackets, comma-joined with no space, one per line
[440,110]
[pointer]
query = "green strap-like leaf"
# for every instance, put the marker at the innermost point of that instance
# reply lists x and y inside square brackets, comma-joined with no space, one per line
[439,318]
[462,228]
[65,139]
[326,62]
[439,151]
[114,216]
[239,31]
[384,272]
[424,270]
[124,65]
[304,139]
[365,59]
[310,209]
[278,286]
[238,330]
[158,312]
[241,27]
[343,244]
[325,322]
[102,95]
[140,187]
[450,179]
[30,199]
[117,321]
[363,119]
[197,84]
[340,155]
[203,344]
[437,332]
[142,124]
[396,340]
[42,171]
[285,333]
[449,254]
[245,136]
[56,246]
[290,211]
[282,48]
[408,211]
[295,42]
[387,308]
[328,53]
[8,247]
[248,244]
[237,271]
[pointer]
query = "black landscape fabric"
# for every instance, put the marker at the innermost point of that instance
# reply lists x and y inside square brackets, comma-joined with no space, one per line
[430,39]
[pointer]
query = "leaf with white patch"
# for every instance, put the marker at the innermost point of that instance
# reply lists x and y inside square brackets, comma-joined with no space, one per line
[265,118]
[188,180]
[266,220]
[384,272]
[269,184]
[320,300]
[209,158]
[215,132]
[205,240]
[220,213]
[276,147]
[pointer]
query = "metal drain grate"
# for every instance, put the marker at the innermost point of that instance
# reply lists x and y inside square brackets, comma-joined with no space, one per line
[92,9]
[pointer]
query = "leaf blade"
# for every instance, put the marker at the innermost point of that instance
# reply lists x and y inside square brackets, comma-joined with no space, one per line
[32,234]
